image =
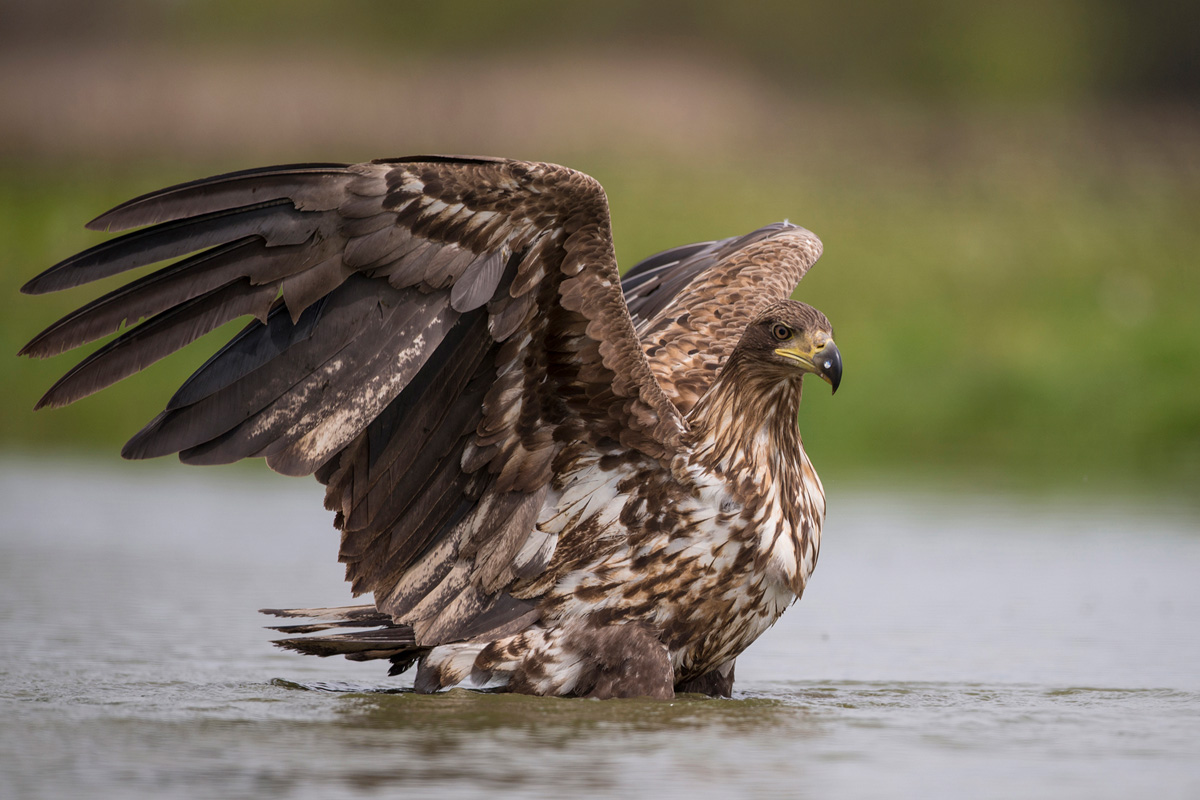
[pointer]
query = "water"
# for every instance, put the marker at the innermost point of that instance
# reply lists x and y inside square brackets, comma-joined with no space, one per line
[946,648]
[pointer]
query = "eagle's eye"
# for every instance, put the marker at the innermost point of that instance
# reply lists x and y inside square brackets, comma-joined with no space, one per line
[781,331]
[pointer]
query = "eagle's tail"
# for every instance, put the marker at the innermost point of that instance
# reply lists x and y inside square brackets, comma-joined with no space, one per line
[386,639]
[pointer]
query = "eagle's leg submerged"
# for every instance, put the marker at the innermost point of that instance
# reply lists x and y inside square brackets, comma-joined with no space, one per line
[717,683]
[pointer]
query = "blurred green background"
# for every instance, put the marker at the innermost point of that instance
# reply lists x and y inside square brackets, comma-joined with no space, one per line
[1009,193]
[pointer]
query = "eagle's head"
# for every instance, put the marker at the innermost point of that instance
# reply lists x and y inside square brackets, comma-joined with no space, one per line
[790,339]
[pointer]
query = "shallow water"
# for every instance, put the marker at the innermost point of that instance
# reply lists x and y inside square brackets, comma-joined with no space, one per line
[946,648]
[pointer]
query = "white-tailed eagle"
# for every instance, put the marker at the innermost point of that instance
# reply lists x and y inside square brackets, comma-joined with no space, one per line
[549,481]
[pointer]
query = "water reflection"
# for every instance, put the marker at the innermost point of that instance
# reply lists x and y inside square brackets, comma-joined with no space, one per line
[558,721]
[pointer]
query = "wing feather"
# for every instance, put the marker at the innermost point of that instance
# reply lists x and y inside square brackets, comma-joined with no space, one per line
[309,187]
[275,222]
[157,338]
[164,289]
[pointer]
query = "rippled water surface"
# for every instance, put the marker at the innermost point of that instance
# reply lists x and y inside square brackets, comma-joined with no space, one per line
[946,648]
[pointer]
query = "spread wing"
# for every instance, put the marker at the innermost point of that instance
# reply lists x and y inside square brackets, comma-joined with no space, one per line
[430,332]
[690,304]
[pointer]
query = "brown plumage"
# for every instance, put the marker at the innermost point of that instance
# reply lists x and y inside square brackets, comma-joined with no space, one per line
[549,482]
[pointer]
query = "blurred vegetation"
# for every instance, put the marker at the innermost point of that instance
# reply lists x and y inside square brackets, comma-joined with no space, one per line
[1010,224]
[958,50]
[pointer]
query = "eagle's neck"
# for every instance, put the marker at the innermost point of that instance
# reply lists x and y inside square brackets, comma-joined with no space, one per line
[743,431]
[747,420]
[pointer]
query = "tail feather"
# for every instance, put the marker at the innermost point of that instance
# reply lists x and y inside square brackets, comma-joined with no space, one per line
[314,627]
[387,639]
[335,613]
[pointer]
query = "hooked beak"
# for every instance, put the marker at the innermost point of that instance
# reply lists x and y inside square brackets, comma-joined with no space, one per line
[825,362]
[828,362]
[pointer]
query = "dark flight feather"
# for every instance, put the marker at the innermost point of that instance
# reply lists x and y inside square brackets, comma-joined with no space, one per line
[165,288]
[305,185]
[157,338]
[258,344]
[276,222]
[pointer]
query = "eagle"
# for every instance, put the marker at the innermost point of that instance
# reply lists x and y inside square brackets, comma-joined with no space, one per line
[551,480]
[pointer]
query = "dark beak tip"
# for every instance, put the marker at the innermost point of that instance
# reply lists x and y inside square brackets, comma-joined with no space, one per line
[831,359]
